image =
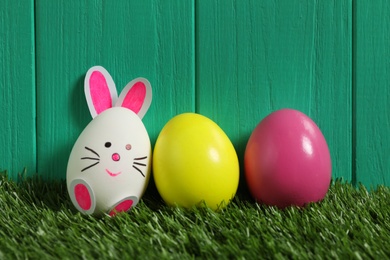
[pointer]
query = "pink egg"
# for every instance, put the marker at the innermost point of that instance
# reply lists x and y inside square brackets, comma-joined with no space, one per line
[287,160]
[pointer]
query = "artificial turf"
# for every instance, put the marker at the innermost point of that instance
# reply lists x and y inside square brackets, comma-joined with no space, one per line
[38,221]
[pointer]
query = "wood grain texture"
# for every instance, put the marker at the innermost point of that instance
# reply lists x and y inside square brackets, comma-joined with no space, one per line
[152,39]
[372,91]
[254,57]
[233,61]
[17,84]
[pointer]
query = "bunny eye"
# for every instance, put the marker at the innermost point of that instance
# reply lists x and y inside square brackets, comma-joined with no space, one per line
[107,144]
[128,146]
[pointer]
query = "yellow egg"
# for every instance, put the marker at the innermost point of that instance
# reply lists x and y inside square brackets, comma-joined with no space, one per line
[195,162]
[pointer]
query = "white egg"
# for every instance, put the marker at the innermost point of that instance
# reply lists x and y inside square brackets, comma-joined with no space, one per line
[109,166]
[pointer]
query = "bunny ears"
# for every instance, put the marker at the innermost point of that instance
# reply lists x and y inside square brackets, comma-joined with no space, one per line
[101,94]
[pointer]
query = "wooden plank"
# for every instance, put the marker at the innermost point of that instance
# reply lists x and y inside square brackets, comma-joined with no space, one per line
[152,39]
[372,91]
[17,84]
[254,57]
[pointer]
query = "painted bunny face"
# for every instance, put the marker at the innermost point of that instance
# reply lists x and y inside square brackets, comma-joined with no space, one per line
[123,142]
[109,166]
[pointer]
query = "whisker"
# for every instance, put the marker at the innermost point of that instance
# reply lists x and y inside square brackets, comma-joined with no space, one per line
[138,170]
[89,149]
[90,158]
[141,164]
[86,168]
[140,158]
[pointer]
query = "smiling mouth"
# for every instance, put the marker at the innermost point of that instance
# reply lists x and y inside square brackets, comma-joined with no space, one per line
[113,174]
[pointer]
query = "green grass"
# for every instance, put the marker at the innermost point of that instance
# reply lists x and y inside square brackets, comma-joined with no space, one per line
[38,221]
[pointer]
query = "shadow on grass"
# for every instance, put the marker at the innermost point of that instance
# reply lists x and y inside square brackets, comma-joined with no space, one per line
[53,194]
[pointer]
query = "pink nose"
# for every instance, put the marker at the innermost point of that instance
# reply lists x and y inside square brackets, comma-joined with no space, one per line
[115,157]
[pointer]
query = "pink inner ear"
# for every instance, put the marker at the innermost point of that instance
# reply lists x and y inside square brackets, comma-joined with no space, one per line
[135,97]
[100,93]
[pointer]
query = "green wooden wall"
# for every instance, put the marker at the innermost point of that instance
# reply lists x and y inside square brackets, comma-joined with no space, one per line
[234,61]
